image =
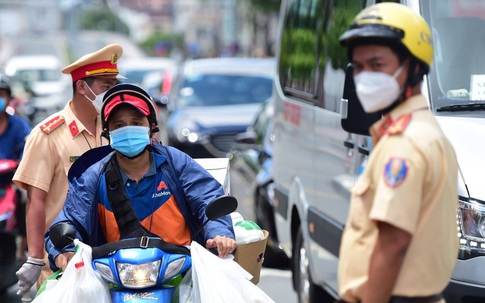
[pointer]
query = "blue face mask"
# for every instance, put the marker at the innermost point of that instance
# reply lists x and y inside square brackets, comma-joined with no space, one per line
[130,140]
[3,104]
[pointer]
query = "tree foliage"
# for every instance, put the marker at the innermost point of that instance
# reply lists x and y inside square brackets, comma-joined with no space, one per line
[104,20]
[265,5]
[161,43]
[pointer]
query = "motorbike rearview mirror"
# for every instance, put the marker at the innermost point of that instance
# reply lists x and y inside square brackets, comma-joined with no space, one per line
[62,234]
[219,207]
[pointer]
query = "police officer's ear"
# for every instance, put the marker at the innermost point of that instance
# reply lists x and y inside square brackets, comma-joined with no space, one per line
[79,86]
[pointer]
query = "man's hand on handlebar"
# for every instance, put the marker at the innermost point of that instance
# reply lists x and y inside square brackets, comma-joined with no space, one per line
[62,259]
[224,245]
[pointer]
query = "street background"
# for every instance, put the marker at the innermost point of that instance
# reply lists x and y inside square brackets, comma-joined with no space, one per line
[176,29]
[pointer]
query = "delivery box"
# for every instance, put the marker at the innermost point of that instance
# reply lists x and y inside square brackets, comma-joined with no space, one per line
[251,256]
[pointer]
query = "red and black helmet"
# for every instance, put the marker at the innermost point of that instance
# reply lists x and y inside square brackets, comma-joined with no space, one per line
[132,95]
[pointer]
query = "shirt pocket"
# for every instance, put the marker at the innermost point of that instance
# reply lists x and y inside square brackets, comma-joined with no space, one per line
[360,204]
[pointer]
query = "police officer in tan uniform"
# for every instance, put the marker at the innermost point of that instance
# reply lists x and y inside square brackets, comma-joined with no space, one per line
[400,241]
[54,145]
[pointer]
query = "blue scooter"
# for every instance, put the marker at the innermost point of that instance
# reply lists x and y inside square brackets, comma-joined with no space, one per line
[142,269]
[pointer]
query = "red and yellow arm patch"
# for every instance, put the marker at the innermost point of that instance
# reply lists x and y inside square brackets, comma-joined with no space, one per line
[52,124]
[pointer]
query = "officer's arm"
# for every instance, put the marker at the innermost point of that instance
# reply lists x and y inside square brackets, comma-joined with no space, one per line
[35,221]
[386,261]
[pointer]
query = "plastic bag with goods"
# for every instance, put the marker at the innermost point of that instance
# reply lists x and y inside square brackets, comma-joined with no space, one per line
[79,283]
[246,231]
[217,280]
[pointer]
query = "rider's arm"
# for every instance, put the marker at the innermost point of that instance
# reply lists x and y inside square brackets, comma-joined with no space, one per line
[80,211]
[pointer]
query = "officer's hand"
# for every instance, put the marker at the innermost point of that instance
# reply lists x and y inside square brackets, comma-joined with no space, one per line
[62,260]
[28,274]
[224,245]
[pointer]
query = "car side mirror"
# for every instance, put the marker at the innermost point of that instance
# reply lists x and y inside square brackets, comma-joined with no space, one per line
[246,140]
[353,117]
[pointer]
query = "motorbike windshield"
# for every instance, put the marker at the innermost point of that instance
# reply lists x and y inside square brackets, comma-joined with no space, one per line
[457,77]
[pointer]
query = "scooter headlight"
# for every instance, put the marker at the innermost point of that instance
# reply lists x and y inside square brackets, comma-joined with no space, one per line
[173,268]
[138,275]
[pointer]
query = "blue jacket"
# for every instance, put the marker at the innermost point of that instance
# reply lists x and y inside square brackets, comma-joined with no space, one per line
[12,141]
[192,186]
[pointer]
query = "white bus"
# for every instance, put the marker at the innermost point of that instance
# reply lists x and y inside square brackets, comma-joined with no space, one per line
[316,161]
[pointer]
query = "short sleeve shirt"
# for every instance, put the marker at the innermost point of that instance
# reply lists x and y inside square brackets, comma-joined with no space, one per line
[51,148]
[409,182]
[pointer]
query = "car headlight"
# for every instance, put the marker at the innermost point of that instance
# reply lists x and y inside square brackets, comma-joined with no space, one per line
[190,135]
[105,272]
[138,275]
[173,268]
[471,229]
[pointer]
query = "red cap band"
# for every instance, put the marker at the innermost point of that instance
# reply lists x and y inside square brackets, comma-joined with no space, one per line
[94,69]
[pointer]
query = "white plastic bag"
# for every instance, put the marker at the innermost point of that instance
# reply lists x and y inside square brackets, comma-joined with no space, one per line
[185,291]
[79,283]
[217,280]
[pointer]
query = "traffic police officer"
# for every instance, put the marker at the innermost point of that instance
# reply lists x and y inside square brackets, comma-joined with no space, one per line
[399,243]
[54,145]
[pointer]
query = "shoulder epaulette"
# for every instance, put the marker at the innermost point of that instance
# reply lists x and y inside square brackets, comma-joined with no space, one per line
[52,124]
[399,125]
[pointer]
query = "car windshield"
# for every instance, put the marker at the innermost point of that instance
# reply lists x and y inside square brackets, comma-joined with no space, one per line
[457,78]
[223,89]
[34,75]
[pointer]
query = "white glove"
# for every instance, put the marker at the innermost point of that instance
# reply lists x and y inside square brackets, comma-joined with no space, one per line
[28,274]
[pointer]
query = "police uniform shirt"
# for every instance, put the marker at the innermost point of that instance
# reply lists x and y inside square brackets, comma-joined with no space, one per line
[51,148]
[409,182]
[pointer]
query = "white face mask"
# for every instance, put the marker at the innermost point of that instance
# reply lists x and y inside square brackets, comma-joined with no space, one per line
[98,100]
[377,90]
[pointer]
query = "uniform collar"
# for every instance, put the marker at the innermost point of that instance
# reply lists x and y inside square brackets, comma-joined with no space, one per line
[75,126]
[378,129]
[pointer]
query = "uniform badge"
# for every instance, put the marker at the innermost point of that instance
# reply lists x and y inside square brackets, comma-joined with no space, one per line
[114,58]
[72,159]
[399,125]
[73,128]
[395,172]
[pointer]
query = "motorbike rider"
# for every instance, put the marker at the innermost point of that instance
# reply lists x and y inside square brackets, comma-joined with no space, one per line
[52,147]
[13,131]
[167,189]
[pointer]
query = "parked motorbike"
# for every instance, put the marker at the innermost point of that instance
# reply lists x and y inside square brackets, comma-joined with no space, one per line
[145,269]
[9,217]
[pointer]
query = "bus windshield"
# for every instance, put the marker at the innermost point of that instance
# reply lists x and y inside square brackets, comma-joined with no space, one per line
[457,77]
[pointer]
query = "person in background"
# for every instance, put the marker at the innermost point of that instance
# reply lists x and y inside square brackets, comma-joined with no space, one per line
[399,243]
[51,148]
[167,189]
[13,131]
